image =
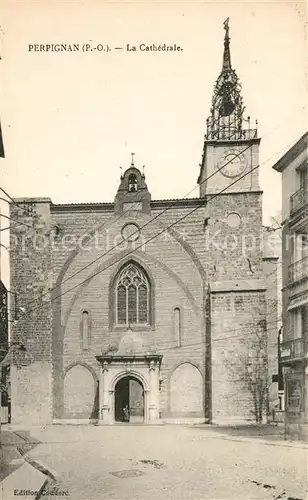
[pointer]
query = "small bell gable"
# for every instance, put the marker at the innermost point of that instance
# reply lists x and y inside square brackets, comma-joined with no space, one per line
[133,192]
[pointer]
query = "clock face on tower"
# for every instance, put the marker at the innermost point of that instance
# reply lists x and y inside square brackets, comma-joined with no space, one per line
[233,163]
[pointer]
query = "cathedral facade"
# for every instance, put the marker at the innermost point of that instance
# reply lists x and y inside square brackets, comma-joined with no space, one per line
[148,310]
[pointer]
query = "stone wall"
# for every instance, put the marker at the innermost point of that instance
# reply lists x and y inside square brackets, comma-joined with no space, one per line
[235,319]
[212,181]
[30,259]
[176,282]
[219,244]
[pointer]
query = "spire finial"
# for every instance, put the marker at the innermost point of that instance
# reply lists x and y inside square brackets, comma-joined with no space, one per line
[133,164]
[226,119]
[226,27]
[226,65]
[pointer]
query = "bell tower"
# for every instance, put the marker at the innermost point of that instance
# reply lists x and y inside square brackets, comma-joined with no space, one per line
[231,146]
[133,193]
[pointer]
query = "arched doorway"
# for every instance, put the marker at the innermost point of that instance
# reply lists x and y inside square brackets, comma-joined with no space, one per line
[129,393]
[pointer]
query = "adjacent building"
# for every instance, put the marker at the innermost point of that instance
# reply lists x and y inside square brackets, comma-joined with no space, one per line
[165,307]
[294,347]
[4,331]
[4,361]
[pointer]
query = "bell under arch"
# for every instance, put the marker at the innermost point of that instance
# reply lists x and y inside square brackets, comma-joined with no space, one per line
[226,120]
[133,193]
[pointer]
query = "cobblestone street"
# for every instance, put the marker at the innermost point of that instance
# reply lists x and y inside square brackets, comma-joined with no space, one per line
[167,462]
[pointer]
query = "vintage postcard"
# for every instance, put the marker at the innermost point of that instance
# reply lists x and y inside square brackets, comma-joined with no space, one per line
[154,250]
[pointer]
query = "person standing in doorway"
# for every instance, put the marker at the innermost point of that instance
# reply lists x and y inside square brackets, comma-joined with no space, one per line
[126,414]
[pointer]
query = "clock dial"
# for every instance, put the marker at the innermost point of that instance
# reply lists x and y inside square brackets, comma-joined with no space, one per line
[233,164]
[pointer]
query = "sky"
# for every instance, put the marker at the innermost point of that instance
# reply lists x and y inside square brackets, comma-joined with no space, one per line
[71,119]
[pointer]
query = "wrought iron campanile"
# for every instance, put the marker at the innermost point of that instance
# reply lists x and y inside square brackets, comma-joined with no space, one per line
[226,121]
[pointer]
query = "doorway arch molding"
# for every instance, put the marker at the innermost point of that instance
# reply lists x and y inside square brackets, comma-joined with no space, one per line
[129,373]
[143,368]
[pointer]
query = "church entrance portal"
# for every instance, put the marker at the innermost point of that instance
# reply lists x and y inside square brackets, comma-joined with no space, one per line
[132,380]
[129,400]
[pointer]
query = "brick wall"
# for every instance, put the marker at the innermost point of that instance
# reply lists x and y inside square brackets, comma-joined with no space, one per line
[186,392]
[176,283]
[30,259]
[235,316]
[272,306]
[78,381]
[226,252]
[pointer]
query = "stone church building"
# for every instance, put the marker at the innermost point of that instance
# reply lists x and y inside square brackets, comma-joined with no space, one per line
[148,310]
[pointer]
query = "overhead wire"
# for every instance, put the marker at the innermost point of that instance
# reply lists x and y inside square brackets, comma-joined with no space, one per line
[141,227]
[125,239]
[203,202]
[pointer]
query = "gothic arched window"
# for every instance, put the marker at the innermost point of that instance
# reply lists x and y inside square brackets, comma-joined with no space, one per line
[132,296]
